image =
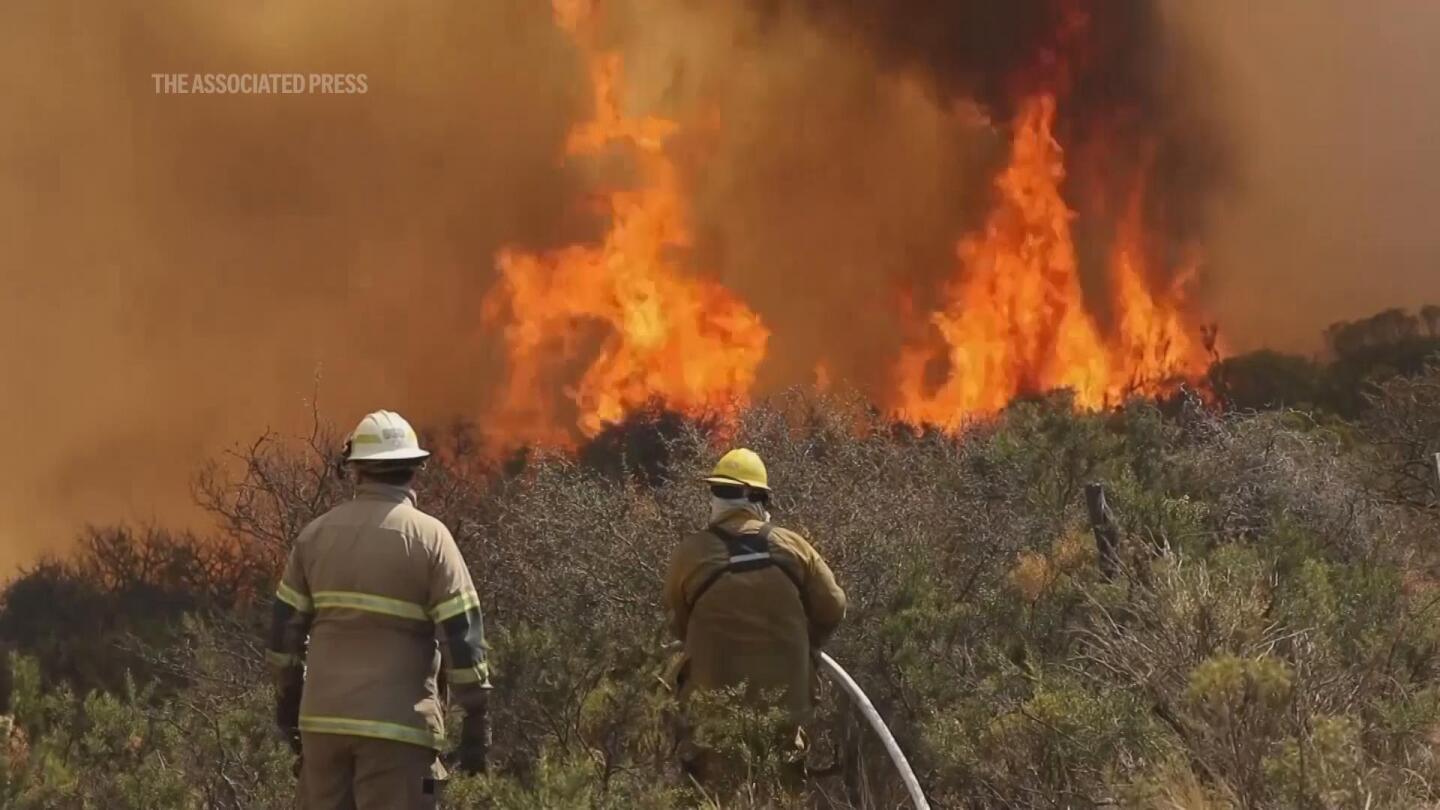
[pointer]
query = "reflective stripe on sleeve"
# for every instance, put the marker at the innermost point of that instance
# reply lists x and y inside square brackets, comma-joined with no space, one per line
[371,603]
[450,608]
[371,728]
[480,673]
[294,598]
[282,660]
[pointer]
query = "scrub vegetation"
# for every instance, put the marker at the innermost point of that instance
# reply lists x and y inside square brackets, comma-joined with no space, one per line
[1268,638]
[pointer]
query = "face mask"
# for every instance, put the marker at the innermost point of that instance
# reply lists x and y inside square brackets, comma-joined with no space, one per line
[720,507]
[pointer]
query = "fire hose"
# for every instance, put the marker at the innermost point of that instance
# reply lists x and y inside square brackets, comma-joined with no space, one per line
[847,683]
[867,710]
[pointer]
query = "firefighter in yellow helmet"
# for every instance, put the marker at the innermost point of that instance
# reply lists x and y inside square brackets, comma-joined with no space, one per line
[370,588]
[749,600]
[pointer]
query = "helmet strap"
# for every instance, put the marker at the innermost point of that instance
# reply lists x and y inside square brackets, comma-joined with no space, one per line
[342,462]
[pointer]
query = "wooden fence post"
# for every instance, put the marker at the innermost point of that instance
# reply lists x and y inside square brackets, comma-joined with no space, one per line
[1102,524]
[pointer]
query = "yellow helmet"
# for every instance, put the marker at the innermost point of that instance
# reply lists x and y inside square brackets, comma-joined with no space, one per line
[740,466]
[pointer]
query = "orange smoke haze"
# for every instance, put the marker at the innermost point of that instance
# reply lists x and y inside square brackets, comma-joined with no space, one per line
[1334,103]
[176,269]
[538,221]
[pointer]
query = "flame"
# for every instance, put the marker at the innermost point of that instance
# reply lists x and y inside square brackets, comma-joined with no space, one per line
[630,325]
[1014,320]
[665,336]
[1154,343]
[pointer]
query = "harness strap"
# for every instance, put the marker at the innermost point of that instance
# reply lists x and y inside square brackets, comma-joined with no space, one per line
[748,552]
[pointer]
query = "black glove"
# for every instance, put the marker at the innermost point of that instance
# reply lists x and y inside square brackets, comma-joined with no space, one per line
[287,712]
[475,741]
[287,709]
[292,738]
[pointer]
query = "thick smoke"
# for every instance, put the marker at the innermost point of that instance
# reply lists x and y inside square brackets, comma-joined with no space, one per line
[181,266]
[986,51]
[1293,140]
[1131,99]
[818,181]
[176,269]
[1335,105]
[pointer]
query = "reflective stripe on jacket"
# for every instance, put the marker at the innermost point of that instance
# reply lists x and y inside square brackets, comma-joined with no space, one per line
[756,626]
[368,587]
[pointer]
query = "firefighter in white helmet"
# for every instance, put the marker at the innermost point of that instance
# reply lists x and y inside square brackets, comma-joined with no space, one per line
[370,587]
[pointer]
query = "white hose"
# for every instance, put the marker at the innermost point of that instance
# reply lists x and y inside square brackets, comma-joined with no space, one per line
[1437,466]
[873,718]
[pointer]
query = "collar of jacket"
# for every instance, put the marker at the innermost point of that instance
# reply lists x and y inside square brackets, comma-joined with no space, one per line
[372,491]
[735,519]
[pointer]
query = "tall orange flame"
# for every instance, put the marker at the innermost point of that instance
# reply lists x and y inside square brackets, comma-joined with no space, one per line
[1154,343]
[665,335]
[1014,320]
[624,323]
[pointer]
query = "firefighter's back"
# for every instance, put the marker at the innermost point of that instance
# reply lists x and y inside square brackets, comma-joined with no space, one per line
[750,627]
[373,659]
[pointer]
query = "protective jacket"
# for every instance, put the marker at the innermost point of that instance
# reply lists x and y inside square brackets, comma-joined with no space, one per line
[371,584]
[751,612]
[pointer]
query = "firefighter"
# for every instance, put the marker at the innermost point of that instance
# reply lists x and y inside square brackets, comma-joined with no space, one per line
[750,601]
[370,588]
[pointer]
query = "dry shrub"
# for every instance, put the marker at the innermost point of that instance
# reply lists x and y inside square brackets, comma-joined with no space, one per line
[1014,674]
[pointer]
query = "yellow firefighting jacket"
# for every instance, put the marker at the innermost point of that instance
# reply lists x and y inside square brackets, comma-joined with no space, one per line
[744,617]
[370,585]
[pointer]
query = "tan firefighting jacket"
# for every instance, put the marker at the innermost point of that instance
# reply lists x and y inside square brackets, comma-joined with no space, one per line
[756,626]
[372,584]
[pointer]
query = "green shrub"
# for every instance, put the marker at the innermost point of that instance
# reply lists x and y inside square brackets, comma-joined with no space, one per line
[1270,640]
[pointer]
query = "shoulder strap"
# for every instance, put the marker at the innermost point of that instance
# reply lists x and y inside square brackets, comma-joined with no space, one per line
[748,552]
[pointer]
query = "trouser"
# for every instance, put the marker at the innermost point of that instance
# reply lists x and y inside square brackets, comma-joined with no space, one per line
[340,772]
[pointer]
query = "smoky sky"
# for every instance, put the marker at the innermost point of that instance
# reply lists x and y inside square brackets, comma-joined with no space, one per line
[995,53]
[1334,107]
[179,274]
[1292,142]
[177,270]
[1131,98]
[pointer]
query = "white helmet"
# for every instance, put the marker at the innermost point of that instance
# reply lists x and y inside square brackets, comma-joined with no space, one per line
[384,436]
